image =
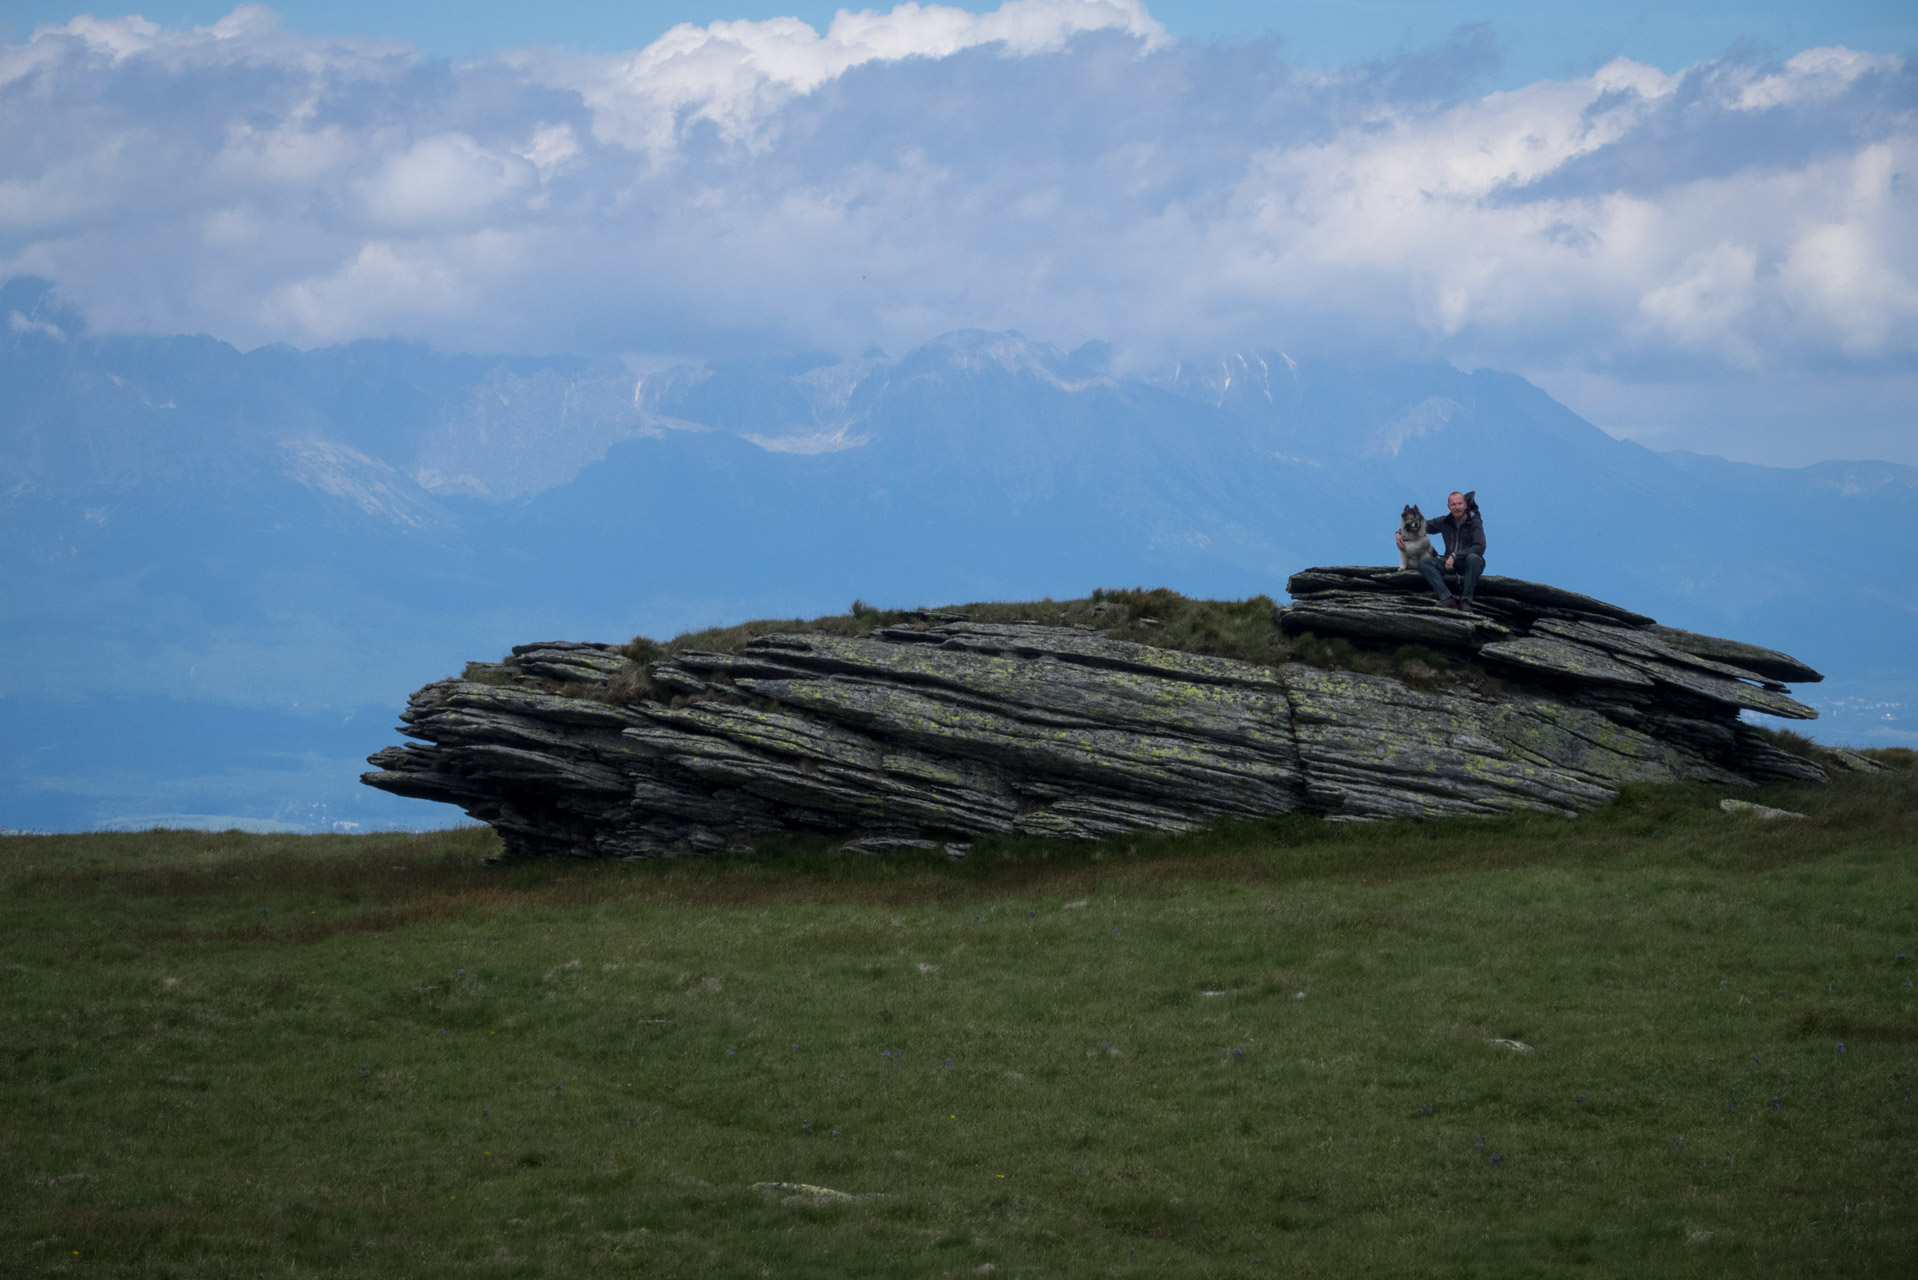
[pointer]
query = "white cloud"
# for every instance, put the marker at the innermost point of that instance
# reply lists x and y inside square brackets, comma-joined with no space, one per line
[1813,74]
[398,286]
[1702,309]
[837,440]
[443,181]
[550,148]
[1834,275]
[1056,166]
[736,75]
[18,323]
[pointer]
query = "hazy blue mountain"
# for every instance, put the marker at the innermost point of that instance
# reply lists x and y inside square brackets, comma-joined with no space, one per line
[223,571]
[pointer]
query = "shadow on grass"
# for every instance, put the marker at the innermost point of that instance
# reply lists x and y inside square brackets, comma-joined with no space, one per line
[390,881]
[1812,1025]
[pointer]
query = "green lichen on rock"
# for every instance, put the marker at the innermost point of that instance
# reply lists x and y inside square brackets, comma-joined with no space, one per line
[1124,711]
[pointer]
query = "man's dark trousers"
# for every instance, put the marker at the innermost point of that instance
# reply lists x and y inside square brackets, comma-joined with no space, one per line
[1469,565]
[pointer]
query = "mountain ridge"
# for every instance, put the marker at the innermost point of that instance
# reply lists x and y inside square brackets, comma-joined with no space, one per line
[308,533]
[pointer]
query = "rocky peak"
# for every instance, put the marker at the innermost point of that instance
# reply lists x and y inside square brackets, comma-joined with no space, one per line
[1537,632]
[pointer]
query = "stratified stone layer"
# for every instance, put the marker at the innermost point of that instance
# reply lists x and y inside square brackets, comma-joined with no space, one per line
[952,728]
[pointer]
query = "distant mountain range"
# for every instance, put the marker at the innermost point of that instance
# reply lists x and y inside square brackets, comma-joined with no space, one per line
[223,571]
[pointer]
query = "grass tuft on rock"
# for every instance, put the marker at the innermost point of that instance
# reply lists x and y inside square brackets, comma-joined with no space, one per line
[1246,630]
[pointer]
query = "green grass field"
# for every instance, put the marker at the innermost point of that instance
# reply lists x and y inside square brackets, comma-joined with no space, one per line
[1265,1051]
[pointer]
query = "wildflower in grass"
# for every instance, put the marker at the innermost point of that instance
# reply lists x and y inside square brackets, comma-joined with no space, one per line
[1497,1158]
[1730,1105]
[1841,1047]
[948,1061]
[795,1044]
[1238,1053]
[1581,1097]
[729,1053]
[558,1089]
[1774,1102]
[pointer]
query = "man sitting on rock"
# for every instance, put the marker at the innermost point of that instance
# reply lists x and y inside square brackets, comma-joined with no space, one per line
[1464,550]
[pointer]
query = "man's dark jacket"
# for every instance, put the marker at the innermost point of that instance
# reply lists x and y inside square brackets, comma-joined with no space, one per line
[1461,535]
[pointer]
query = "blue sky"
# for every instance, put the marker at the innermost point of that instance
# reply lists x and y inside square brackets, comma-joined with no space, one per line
[1698,224]
[1535,38]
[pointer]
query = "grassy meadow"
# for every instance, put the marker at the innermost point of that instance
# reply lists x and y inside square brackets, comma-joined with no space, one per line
[1268,1050]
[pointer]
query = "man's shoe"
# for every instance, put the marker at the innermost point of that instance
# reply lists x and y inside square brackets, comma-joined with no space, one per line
[1467,605]
[1451,602]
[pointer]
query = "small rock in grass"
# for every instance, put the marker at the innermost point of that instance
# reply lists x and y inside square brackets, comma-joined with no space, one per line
[1855,762]
[806,1192]
[1746,809]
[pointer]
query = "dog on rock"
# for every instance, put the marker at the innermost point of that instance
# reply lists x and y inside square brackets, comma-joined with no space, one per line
[1417,545]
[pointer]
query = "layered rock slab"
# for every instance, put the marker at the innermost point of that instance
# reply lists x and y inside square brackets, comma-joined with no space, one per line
[953,728]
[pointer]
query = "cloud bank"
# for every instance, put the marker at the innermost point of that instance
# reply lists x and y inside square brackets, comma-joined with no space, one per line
[1057,166]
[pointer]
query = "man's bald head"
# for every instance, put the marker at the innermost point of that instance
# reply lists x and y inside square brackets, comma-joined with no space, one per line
[1455,503]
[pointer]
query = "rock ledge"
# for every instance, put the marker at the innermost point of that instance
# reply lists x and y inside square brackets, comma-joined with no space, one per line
[948,728]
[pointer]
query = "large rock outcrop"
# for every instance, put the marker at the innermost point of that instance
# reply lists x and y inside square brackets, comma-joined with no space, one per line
[943,728]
